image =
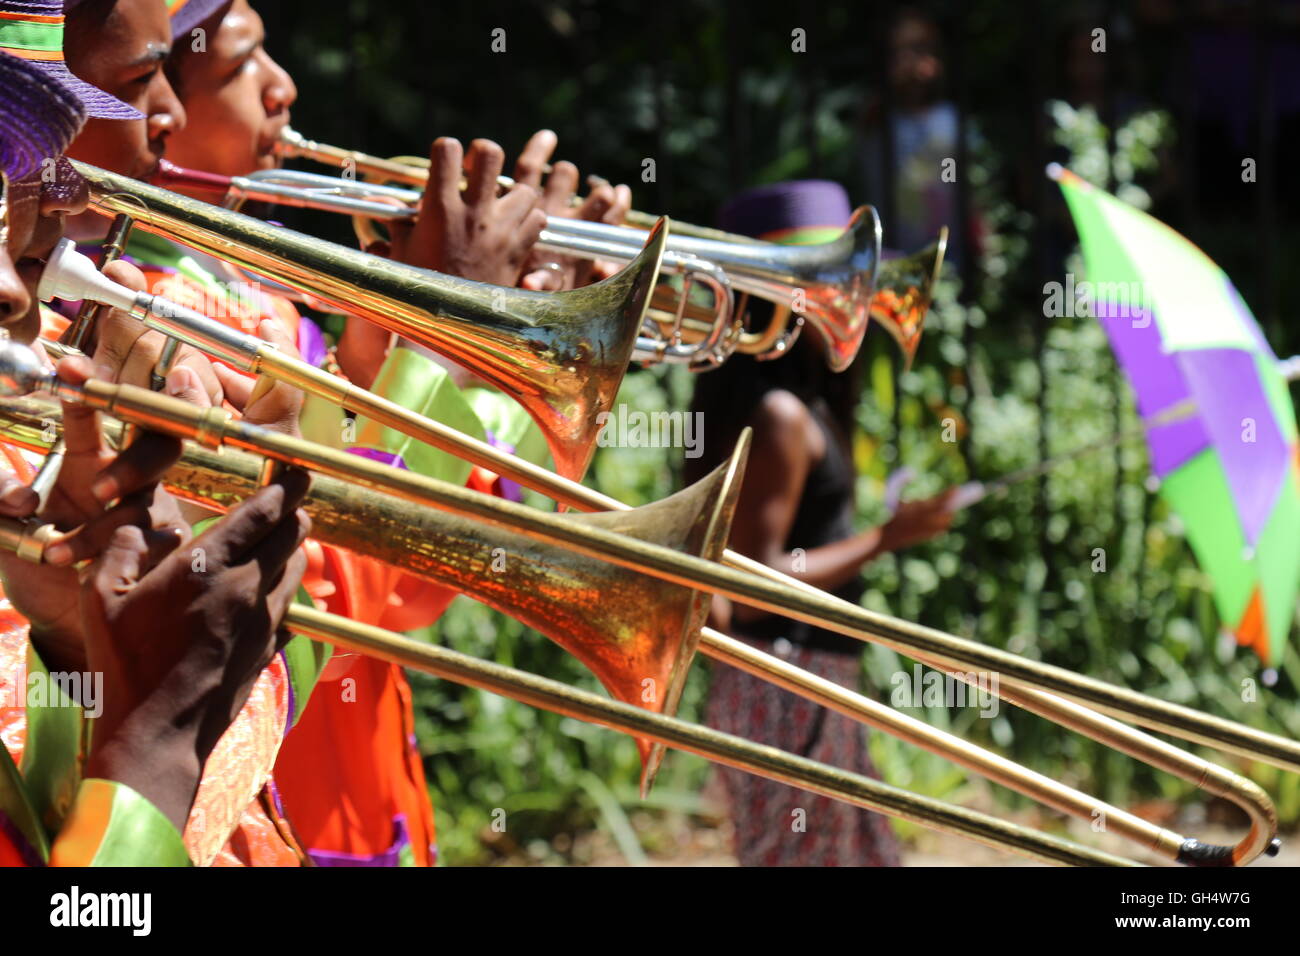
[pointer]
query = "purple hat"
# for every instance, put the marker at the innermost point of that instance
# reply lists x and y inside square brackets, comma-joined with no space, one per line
[32,30]
[38,117]
[802,211]
[188,14]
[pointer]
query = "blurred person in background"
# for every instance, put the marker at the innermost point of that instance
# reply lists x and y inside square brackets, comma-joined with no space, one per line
[796,514]
[922,136]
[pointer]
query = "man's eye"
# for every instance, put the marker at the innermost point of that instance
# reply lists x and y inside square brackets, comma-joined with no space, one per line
[145,78]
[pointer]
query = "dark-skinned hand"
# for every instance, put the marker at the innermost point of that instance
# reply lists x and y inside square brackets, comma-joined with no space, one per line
[476,234]
[551,271]
[182,637]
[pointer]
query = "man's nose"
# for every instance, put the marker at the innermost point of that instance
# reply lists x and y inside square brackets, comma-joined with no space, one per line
[14,300]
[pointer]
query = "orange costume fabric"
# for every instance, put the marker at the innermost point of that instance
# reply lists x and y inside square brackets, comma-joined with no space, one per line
[350,775]
[232,821]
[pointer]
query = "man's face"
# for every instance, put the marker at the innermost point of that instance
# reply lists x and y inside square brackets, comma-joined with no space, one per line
[915,68]
[236,97]
[120,46]
[38,206]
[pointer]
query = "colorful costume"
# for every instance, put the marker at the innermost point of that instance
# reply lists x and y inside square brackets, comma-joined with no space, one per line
[50,814]
[350,775]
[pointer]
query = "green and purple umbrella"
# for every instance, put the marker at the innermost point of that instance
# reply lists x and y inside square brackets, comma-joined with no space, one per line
[1229,465]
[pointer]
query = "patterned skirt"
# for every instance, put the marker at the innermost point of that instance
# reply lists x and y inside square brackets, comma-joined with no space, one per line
[777,825]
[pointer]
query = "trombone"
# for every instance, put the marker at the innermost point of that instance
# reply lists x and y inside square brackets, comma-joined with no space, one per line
[564,596]
[299,261]
[560,355]
[665,730]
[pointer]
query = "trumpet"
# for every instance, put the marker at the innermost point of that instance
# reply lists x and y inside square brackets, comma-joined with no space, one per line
[546,582]
[904,290]
[832,282]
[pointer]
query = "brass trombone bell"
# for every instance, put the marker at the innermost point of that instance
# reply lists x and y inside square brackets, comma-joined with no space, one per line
[560,355]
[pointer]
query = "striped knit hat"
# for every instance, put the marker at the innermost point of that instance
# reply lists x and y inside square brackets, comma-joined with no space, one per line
[32,30]
[38,117]
[794,213]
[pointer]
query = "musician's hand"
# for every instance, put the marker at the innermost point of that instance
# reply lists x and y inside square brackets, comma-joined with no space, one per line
[180,644]
[550,271]
[97,492]
[262,401]
[917,521]
[478,235]
[127,352]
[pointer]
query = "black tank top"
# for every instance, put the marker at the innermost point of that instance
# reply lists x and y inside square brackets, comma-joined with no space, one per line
[825,515]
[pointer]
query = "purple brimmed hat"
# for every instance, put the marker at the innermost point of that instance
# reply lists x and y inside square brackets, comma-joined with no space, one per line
[795,213]
[38,117]
[188,14]
[32,30]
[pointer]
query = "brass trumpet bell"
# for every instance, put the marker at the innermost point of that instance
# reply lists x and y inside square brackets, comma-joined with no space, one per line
[904,291]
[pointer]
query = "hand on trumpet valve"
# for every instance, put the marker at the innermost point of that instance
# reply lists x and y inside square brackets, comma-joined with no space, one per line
[478,234]
[546,271]
[126,352]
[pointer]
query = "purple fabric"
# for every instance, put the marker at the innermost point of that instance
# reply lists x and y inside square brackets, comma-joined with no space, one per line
[192,14]
[510,490]
[789,205]
[1159,382]
[275,796]
[390,857]
[293,705]
[1248,320]
[311,342]
[385,457]
[38,117]
[96,102]
[1227,389]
